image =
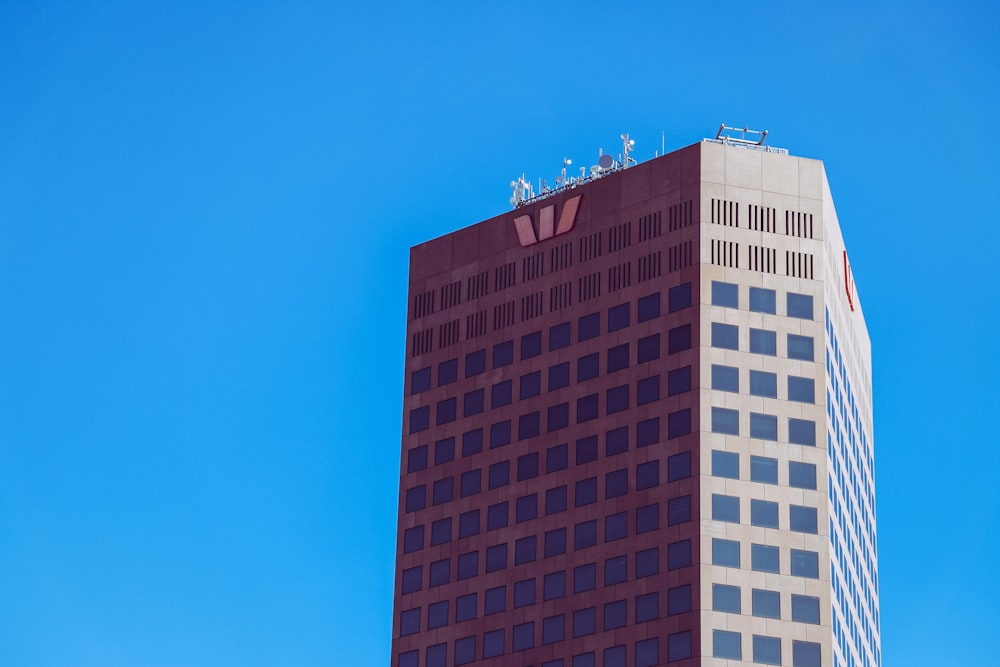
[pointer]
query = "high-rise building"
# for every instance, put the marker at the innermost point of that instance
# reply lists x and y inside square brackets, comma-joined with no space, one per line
[638,427]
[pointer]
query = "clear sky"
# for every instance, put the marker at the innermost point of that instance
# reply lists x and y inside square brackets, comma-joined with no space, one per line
[205,217]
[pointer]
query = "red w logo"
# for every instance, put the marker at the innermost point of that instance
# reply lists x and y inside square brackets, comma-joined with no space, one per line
[546,222]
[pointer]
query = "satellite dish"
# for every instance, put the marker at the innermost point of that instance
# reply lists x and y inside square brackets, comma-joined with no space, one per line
[605,161]
[560,179]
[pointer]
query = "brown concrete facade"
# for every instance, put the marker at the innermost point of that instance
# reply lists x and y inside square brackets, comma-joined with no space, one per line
[550,425]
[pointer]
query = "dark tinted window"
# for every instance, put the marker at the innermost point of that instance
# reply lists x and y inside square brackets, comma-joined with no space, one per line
[618,317]
[555,500]
[678,510]
[416,459]
[763,341]
[585,578]
[420,419]
[559,336]
[725,552]
[726,598]
[531,385]
[800,347]
[725,464]
[805,609]
[763,383]
[440,573]
[586,450]
[616,483]
[617,399]
[501,394]
[763,558]
[725,294]
[762,300]
[679,339]
[805,564]
[465,607]
[763,513]
[588,367]
[468,524]
[475,363]
[615,526]
[801,389]
[586,408]
[472,442]
[725,421]
[420,380]
[556,458]
[531,345]
[559,376]
[496,600]
[468,566]
[616,441]
[615,614]
[413,579]
[647,390]
[647,562]
[615,570]
[764,427]
[800,305]
[529,425]
[678,554]
[764,469]
[444,451]
[472,481]
[725,508]
[618,358]
[680,297]
[527,466]
[679,381]
[525,550]
[554,630]
[503,354]
[802,519]
[444,490]
[802,432]
[725,336]
[555,542]
[472,402]
[801,475]
[585,534]
[679,600]
[447,372]
[647,519]
[499,474]
[647,432]
[589,327]
[649,307]
[649,348]
[586,492]
[679,423]
[678,466]
[554,585]
[496,516]
[526,508]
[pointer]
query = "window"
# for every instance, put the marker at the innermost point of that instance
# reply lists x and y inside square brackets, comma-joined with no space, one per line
[444,490]
[678,510]
[526,508]
[499,474]
[531,385]
[447,372]
[559,336]
[553,629]
[679,297]
[806,654]
[615,526]
[647,607]
[725,464]
[800,305]
[441,531]
[648,348]
[725,421]
[647,518]
[726,598]
[475,363]
[801,475]
[802,519]
[726,644]
[585,578]
[764,513]
[583,622]
[616,441]
[679,600]
[766,650]
[725,552]
[725,336]
[801,389]
[805,609]
[468,565]
[555,542]
[764,384]
[617,399]
[503,354]
[725,508]
[437,654]
[647,563]
[496,516]
[500,434]
[766,604]
[647,432]
[585,534]
[763,558]
[528,425]
[413,579]
[678,466]
[468,524]
[496,600]
[525,550]
[554,585]
[416,459]
[586,492]
[678,554]
[764,469]
[647,475]
[493,643]
[725,378]
[615,656]
[465,651]
[409,622]
[800,347]
[618,358]
[583,660]
[802,432]
[586,450]
[726,295]
[679,646]
[465,607]
[420,419]
[762,300]
[413,539]
[763,341]
[531,345]
[496,558]
[678,382]
[472,442]
[618,317]
[437,614]
[556,458]
[679,339]
[588,326]
[559,376]
[678,423]
[555,500]
[440,572]
[472,403]
[615,614]
[616,483]
[527,467]
[805,564]
[586,408]
[416,498]
[647,652]
[420,381]
[649,307]
[524,636]
[557,417]
[764,427]
[472,482]
[500,395]
[615,570]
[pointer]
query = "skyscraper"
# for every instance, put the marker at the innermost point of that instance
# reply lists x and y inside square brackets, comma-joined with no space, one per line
[638,427]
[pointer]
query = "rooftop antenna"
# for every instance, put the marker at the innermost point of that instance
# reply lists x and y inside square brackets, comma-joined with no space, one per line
[561,178]
[628,145]
[663,142]
[521,192]
[740,135]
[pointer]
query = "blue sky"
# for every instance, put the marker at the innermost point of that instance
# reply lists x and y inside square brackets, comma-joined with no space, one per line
[205,216]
